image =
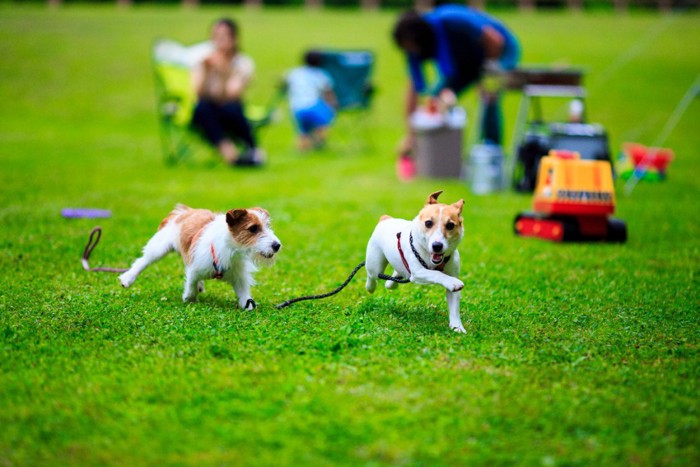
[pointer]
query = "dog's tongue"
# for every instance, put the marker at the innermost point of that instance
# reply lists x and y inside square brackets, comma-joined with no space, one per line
[436,258]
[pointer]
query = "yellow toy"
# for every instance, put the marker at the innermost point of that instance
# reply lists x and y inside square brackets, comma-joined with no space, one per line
[573,201]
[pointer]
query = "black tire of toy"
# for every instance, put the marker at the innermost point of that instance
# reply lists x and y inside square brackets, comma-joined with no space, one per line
[617,231]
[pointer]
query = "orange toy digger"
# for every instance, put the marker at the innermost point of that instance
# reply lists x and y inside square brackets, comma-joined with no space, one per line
[573,201]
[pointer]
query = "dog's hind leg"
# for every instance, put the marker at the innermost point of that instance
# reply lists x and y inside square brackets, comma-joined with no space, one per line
[392,284]
[375,264]
[158,246]
[192,281]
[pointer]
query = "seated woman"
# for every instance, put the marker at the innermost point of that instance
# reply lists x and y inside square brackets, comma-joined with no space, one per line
[219,81]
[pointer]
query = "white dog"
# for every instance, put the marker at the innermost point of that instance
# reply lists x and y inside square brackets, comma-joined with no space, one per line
[219,246]
[423,250]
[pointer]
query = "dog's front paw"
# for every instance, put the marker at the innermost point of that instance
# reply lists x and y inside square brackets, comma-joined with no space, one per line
[249,304]
[455,285]
[189,298]
[457,327]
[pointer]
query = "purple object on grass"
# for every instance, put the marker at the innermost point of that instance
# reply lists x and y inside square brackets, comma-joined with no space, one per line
[81,213]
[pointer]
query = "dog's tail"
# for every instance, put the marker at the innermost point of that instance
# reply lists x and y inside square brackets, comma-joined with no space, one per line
[177,210]
[340,287]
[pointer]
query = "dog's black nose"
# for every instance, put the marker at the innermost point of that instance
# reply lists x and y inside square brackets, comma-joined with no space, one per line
[437,247]
[276,247]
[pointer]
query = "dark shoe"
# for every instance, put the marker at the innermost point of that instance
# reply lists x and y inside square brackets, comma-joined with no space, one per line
[251,158]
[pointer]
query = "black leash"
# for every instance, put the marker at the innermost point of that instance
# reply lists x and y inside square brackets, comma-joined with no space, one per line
[92,242]
[400,280]
[96,234]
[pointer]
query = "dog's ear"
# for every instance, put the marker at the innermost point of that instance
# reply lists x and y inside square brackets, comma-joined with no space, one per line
[235,216]
[458,206]
[432,199]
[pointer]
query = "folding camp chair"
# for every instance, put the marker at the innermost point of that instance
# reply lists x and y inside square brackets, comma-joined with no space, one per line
[351,71]
[175,97]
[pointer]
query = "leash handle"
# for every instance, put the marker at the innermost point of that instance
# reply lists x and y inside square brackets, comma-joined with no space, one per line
[92,242]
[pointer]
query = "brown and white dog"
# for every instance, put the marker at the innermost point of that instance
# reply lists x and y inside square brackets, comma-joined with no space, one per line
[423,250]
[213,246]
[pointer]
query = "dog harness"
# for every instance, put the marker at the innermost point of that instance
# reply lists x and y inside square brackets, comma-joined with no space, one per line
[218,270]
[438,267]
[403,258]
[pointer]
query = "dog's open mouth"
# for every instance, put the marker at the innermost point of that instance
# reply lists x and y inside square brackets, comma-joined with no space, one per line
[437,258]
[267,255]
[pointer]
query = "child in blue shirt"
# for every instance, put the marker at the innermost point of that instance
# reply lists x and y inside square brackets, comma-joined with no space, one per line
[311,101]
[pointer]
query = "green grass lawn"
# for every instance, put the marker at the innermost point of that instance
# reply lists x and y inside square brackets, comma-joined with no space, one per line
[575,353]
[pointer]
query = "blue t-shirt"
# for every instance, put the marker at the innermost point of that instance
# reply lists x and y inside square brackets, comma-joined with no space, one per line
[459,53]
[306,85]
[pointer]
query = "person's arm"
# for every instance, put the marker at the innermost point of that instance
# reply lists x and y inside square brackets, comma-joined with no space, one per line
[330,97]
[235,86]
[327,93]
[415,70]
[493,42]
[210,76]
[239,78]
[411,101]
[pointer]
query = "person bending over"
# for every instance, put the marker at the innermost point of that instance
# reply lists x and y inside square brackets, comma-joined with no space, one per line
[462,42]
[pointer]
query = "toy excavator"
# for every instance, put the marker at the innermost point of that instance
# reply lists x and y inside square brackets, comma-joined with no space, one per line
[573,201]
